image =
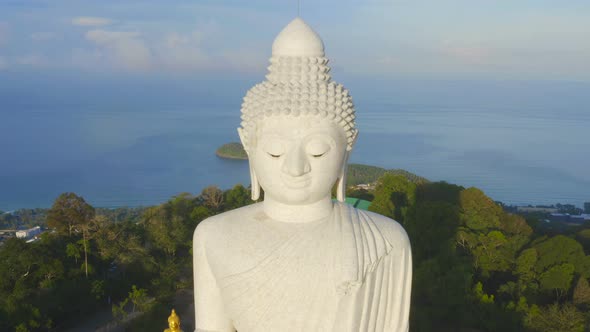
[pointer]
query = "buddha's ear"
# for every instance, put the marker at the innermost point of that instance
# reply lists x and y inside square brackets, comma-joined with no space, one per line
[242,135]
[254,185]
[341,187]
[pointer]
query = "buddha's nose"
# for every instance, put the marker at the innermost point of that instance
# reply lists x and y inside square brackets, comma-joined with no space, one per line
[296,163]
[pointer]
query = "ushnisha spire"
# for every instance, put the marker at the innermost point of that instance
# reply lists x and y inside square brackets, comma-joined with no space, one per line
[298,39]
[298,83]
[298,55]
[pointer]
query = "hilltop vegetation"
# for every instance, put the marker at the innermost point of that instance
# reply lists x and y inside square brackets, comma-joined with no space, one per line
[27,218]
[359,174]
[118,260]
[232,151]
[23,217]
[476,266]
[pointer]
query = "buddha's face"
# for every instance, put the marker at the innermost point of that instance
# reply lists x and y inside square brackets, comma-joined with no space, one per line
[297,160]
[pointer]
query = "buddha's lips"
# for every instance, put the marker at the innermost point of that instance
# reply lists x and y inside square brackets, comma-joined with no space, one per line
[296,182]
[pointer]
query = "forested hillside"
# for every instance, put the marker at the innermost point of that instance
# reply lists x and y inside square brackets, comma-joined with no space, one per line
[232,151]
[365,174]
[116,260]
[476,267]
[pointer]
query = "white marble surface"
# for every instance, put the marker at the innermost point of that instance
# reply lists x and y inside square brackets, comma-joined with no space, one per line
[299,261]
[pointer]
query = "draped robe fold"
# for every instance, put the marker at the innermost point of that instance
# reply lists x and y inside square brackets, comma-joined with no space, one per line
[349,272]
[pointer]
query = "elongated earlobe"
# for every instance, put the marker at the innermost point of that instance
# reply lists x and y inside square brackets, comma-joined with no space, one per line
[341,188]
[255,186]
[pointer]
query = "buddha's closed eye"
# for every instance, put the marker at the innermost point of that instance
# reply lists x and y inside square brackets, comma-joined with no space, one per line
[317,148]
[275,148]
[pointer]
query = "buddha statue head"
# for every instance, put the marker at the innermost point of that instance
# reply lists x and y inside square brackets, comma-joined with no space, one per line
[298,126]
[173,322]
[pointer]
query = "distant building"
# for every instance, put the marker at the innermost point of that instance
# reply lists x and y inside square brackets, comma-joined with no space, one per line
[530,209]
[365,186]
[28,233]
[559,217]
[569,218]
[579,219]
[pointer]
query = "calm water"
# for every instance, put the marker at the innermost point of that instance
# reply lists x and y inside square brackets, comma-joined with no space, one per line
[520,142]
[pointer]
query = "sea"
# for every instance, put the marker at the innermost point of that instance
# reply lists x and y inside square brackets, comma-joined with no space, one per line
[140,141]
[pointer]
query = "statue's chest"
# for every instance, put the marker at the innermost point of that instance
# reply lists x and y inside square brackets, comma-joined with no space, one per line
[281,286]
[270,245]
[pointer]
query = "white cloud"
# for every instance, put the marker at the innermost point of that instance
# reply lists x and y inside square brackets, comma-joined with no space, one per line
[388,61]
[3,33]
[91,21]
[109,37]
[173,51]
[85,58]
[468,54]
[134,51]
[246,60]
[43,36]
[121,48]
[179,52]
[34,60]
[479,40]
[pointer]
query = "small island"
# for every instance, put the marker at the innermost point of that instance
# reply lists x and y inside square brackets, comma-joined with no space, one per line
[359,175]
[232,150]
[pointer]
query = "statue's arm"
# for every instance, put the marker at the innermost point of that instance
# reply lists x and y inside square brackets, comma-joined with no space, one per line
[398,269]
[400,260]
[406,288]
[210,314]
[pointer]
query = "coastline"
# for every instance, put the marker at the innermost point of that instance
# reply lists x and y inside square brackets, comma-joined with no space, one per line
[232,150]
[227,156]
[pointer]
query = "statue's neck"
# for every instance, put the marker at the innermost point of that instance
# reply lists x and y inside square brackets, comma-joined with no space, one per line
[297,213]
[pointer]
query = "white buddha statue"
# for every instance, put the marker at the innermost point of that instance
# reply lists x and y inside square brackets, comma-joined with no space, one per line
[298,261]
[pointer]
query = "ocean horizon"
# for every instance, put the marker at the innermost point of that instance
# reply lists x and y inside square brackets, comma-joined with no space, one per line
[133,143]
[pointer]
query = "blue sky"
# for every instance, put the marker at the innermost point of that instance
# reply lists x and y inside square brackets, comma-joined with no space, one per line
[501,39]
[97,82]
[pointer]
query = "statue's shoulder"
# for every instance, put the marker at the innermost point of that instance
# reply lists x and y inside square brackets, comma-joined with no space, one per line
[226,223]
[390,229]
[225,238]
